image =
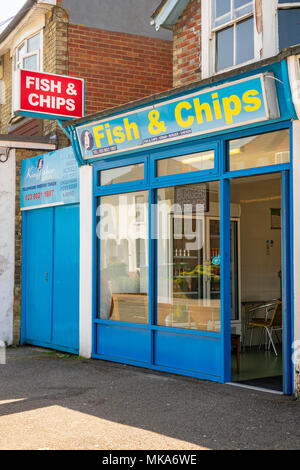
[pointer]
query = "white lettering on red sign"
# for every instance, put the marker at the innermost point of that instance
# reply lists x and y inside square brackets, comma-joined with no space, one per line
[56,95]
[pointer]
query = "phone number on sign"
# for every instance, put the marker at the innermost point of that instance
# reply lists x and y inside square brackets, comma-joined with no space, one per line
[34,196]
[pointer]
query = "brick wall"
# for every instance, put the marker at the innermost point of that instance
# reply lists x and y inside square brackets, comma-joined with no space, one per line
[118,67]
[6,94]
[187,45]
[56,58]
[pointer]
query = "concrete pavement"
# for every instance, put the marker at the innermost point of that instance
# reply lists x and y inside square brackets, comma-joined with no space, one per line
[50,400]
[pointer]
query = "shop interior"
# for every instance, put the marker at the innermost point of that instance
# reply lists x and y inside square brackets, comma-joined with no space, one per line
[256,273]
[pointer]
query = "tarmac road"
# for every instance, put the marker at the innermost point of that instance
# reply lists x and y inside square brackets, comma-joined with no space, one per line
[51,401]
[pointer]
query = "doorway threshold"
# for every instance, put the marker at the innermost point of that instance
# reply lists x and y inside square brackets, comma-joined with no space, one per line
[252,387]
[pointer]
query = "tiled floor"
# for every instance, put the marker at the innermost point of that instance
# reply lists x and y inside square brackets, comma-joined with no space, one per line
[256,363]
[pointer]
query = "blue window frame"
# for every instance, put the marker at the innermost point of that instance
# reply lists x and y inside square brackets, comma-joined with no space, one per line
[159,339]
[116,163]
[182,150]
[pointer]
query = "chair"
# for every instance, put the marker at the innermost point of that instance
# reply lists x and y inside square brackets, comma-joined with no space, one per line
[256,313]
[270,325]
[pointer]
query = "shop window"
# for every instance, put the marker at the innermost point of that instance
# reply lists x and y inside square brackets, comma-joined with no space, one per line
[186,163]
[188,257]
[124,258]
[123,174]
[272,148]
[233,31]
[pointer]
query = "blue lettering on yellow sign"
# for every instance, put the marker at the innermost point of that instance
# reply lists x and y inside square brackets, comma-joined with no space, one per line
[207,111]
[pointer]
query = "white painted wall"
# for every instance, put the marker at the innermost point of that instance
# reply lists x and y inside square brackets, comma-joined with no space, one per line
[259,266]
[7,246]
[86,261]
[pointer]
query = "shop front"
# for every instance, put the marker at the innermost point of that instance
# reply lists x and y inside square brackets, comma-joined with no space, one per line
[50,250]
[191,245]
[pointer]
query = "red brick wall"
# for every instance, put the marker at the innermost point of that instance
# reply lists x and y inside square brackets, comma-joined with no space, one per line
[118,67]
[187,45]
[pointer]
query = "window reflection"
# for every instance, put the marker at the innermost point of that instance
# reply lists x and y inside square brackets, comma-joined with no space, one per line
[123,174]
[259,150]
[188,257]
[185,163]
[124,258]
[244,48]
[225,41]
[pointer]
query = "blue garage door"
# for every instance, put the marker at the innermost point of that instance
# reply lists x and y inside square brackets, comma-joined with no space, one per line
[50,285]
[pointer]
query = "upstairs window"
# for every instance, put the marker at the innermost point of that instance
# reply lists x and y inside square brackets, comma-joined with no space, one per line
[28,54]
[233,31]
[288,23]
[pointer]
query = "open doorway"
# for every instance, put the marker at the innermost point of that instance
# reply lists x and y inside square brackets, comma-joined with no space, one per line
[256,281]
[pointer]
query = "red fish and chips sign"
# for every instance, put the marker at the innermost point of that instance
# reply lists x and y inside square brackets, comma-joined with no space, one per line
[49,96]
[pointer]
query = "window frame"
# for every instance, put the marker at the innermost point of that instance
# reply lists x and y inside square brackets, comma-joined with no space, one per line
[232,20]
[184,149]
[261,167]
[19,63]
[15,64]
[287,5]
[112,163]
[232,23]
[265,45]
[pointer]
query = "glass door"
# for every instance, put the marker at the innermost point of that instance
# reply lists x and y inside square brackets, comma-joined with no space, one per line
[259,362]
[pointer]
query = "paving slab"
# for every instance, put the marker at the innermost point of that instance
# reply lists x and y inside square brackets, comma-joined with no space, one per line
[51,400]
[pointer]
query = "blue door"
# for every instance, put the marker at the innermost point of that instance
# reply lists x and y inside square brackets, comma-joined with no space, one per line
[66,277]
[38,273]
[50,278]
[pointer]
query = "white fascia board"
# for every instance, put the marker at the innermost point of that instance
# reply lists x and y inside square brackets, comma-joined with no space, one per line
[49,2]
[32,22]
[169,13]
[27,145]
